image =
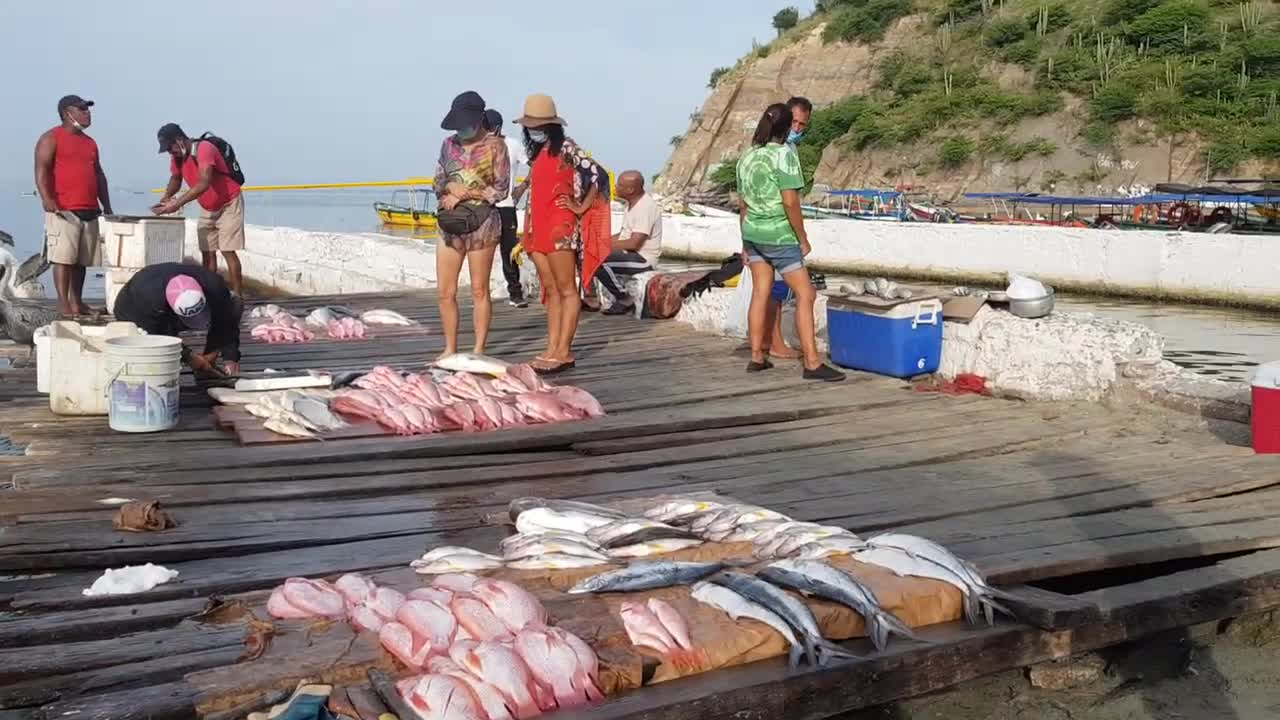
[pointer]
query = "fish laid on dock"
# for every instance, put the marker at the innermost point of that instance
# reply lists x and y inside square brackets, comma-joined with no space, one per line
[555,561]
[385,317]
[542,519]
[789,608]
[822,580]
[284,426]
[653,547]
[521,504]
[472,363]
[913,555]
[647,576]
[677,512]
[633,531]
[738,607]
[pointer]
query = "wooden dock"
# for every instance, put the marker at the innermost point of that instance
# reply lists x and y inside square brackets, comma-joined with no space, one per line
[1110,522]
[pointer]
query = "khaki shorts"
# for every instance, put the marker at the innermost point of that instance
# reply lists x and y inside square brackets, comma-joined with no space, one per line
[222,230]
[68,243]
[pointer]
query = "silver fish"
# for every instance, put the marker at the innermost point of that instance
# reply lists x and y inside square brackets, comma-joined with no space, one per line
[455,564]
[653,547]
[551,546]
[321,317]
[722,598]
[647,576]
[914,555]
[822,580]
[674,512]
[317,412]
[634,532]
[706,520]
[542,519]
[557,561]
[756,532]
[745,515]
[789,608]
[450,551]
[473,363]
[827,547]
[513,541]
[385,317]
[285,426]
[788,544]
[521,504]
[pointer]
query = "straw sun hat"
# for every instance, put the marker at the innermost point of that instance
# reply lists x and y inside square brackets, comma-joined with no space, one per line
[540,110]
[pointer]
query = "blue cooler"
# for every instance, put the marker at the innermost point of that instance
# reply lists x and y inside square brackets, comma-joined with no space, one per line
[901,338]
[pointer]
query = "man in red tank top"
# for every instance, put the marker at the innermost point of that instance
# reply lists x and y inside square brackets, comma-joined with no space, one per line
[73,191]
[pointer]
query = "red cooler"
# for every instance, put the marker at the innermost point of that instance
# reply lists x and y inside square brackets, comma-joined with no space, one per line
[1266,408]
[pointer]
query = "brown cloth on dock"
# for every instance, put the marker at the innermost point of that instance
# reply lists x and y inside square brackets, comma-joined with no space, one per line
[143,517]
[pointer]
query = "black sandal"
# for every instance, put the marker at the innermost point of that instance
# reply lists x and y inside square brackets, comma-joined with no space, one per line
[825,373]
[619,309]
[755,367]
[556,370]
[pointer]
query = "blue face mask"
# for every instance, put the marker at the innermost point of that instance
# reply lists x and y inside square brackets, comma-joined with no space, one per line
[795,136]
[538,136]
[468,133]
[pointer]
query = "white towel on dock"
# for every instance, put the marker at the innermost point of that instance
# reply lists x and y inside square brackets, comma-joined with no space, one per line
[131,579]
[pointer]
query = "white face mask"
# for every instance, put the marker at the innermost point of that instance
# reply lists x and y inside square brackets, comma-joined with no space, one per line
[77,125]
[538,136]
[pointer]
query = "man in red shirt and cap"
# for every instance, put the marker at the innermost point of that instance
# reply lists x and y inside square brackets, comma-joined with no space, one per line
[73,191]
[209,181]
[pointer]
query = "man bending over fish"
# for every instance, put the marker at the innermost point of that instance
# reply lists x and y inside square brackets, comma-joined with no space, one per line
[171,298]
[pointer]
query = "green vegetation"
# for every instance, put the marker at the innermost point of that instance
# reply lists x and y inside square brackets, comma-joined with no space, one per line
[955,151]
[716,75]
[725,177]
[1186,68]
[786,18]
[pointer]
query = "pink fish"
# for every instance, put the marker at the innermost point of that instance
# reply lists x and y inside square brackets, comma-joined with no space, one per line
[462,415]
[672,621]
[509,384]
[511,417]
[492,410]
[348,405]
[399,641]
[394,419]
[365,619]
[316,597]
[355,588]
[528,377]
[420,422]
[443,697]
[502,668]
[479,621]
[278,607]
[428,622]
[494,704]
[545,406]
[580,400]
[588,663]
[554,664]
[385,602]
[645,629]
[511,604]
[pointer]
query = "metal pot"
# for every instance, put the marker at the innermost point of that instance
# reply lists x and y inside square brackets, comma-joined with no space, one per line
[1033,308]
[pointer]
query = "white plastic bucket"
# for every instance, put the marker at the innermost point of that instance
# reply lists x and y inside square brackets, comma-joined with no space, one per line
[143,387]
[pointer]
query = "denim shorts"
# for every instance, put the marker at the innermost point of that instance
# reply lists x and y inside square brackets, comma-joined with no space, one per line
[783,258]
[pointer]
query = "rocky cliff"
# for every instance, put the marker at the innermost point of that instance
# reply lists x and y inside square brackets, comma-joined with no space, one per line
[830,72]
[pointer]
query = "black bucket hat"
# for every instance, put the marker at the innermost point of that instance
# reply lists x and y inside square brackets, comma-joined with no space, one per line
[467,111]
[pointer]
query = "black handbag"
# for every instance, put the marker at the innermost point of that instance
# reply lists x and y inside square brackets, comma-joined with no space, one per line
[464,218]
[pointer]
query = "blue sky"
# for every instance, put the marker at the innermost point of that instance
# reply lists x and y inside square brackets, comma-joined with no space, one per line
[328,91]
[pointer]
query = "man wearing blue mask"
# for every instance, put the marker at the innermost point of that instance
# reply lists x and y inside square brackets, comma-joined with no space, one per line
[801,110]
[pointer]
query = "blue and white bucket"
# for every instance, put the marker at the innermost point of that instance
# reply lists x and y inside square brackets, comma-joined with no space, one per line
[143,386]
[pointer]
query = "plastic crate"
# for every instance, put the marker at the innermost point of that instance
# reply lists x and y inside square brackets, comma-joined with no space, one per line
[901,339]
[136,242]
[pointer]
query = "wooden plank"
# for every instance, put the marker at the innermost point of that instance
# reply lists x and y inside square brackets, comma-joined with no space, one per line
[23,630]
[46,660]
[1049,610]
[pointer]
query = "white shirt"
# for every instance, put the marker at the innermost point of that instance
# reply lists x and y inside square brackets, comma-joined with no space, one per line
[519,167]
[644,217]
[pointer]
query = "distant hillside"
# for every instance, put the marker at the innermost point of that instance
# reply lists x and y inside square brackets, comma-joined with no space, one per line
[971,95]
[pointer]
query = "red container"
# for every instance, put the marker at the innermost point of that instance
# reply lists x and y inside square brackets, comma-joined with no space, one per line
[1266,408]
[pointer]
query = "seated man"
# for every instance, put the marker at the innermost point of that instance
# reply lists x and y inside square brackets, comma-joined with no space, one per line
[171,298]
[637,245]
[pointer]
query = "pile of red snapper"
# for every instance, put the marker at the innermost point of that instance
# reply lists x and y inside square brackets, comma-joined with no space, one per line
[282,328]
[416,404]
[482,647]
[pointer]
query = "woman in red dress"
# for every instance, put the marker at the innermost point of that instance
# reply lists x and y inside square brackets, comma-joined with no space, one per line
[568,215]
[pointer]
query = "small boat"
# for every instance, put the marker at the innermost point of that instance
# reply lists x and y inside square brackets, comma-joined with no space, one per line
[408,208]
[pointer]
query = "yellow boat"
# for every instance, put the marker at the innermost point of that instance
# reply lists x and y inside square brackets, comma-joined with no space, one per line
[415,209]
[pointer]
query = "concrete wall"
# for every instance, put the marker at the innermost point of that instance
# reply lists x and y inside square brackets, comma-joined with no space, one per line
[1225,268]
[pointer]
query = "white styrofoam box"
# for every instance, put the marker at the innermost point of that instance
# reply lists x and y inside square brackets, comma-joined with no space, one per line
[77,370]
[114,280]
[136,242]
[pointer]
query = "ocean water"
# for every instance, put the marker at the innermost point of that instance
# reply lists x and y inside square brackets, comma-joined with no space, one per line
[1219,342]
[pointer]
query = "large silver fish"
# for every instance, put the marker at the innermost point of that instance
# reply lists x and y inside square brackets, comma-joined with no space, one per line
[633,532]
[521,504]
[551,546]
[722,598]
[653,547]
[789,608]
[822,580]
[647,576]
[789,543]
[913,555]
[543,519]
[317,413]
[678,512]
[519,539]
[473,363]
[555,561]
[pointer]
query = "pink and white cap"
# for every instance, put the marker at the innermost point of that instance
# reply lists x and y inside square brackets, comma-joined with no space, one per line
[186,299]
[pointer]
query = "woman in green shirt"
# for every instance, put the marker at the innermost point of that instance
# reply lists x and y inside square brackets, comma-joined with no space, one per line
[773,238]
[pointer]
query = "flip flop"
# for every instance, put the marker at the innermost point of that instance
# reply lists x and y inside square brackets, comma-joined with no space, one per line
[556,370]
